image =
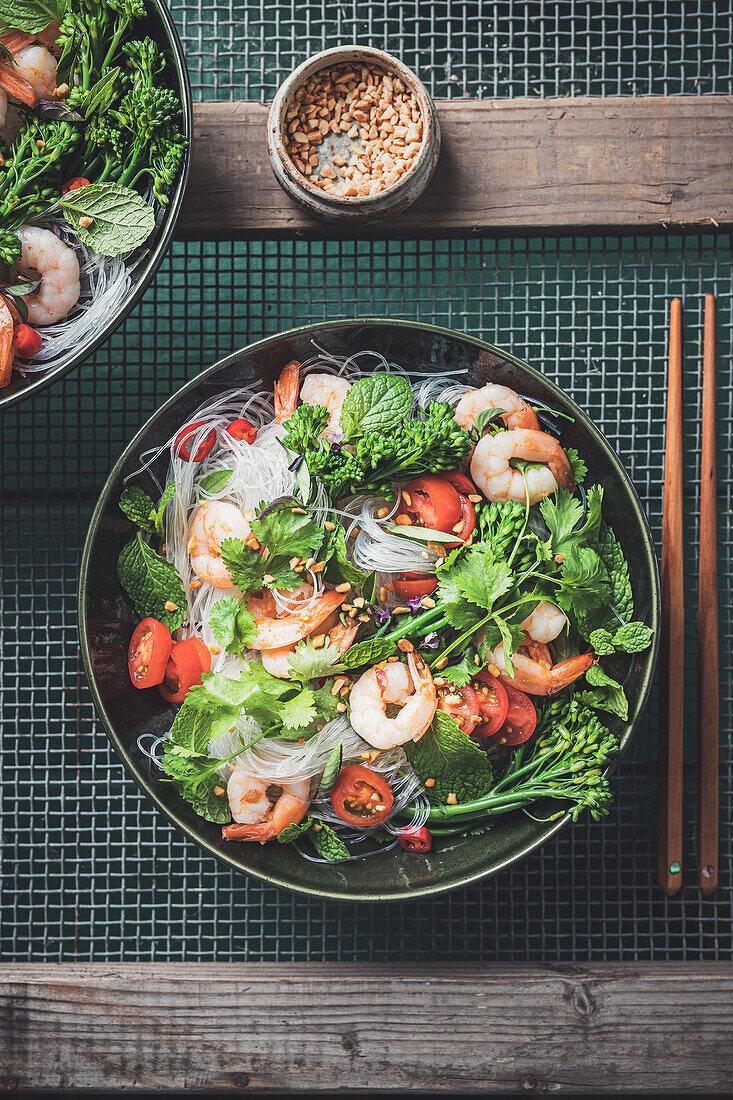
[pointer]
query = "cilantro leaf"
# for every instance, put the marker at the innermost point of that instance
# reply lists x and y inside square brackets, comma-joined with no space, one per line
[298,711]
[463,672]
[378,401]
[327,844]
[583,581]
[207,795]
[309,663]
[325,703]
[577,465]
[245,565]
[233,625]
[452,759]
[339,569]
[477,577]
[151,582]
[137,506]
[286,533]
[563,512]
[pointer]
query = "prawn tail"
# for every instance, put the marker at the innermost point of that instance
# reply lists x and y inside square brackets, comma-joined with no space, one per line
[286,391]
[568,671]
[18,87]
[15,41]
[262,832]
[422,677]
[343,635]
[6,344]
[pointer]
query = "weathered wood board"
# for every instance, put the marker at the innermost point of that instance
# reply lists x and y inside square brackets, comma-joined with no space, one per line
[662,1027]
[506,166]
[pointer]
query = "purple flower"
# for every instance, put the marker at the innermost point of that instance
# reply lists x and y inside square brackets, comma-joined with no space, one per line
[336,437]
[414,603]
[382,615]
[430,641]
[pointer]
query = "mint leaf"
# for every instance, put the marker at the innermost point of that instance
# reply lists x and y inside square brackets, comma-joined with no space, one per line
[327,844]
[609,695]
[151,581]
[214,482]
[168,493]
[121,219]
[31,16]
[191,732]
[332,768]
[378,401]
[633,637]
[206,795]
[293,831]
[137,506]
[452,759]
[602,642]
[612,556]
[309,663]
[370,651]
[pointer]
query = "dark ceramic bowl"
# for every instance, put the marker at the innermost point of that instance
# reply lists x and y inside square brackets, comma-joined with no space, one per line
[160,27]
[106,620]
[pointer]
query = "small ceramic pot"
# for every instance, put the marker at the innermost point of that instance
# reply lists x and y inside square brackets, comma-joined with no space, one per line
[359,209]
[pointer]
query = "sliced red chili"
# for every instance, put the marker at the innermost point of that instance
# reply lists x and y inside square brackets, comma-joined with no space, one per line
[26,341]
[184,438]
[74,184]
[242,429]
[416,840]
[361,796]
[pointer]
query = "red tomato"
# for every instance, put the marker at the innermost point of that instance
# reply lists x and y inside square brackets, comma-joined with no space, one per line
[411,586]
[468,517]
[242,429]
[520,721]
[188,661]
[360,796]
[148,653]
[204,449]
[493,703]
[462,703]
[74,184]
[416,840]
[433,503]
[460,482]
[26,341]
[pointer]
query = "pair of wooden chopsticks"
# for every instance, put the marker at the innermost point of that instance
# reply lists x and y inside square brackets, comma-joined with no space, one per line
[672,664]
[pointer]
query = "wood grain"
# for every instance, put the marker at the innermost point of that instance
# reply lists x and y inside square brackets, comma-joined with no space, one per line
[707,626]
[651,1027]
[506,166]
[672,634]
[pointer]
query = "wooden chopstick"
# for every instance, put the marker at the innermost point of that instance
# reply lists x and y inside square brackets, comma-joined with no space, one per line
[671,718]
[707,626]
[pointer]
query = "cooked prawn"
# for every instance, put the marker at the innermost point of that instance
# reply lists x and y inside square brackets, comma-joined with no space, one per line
[498,480]
[328,390]
[276,630]
[6,343]
[545,623]
[37,65]
[58,267]
[540,677]
[517,413]
[412,689]
[277,661]
[286,391]
[214,521]
[258,816]
[17,86]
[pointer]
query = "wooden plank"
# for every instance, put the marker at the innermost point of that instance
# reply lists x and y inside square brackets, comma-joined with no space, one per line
[506,166]
[600,1027]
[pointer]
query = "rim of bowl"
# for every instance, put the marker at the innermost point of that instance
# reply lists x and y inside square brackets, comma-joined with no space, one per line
[144,781]
[334,56]
[157,253]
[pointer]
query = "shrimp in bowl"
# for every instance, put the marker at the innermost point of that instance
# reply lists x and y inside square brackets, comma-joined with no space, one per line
[406,632]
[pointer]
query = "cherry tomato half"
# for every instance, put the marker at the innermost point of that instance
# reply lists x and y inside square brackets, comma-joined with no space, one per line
[521,718]
[462,703]
[411,586]
[188,661]
[204,449]
[242,429]
[416,840]
[148,653]
[361,796]
[468,518]
[460,482]
[26,341]
[433,503]
[493,704]
[74,184]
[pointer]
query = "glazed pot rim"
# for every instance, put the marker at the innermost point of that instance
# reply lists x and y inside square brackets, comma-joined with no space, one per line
[333,55]
[144,780]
